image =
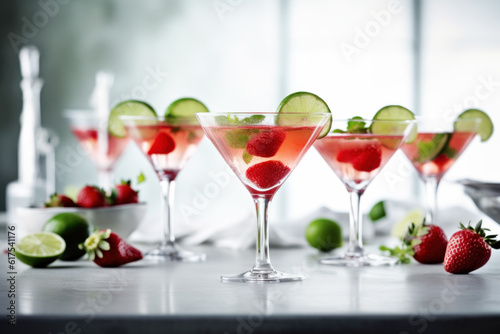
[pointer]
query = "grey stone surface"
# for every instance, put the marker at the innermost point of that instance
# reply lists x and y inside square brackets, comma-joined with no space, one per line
[189,298]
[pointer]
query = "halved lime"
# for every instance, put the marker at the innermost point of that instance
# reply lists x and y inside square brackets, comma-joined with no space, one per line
[485,128]
[415,216]
[393,113]
[185,107]
[303,103]
[40,249]
[127,108]
[429,150]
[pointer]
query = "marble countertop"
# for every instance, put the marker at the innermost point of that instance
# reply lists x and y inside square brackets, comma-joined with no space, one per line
[146,297]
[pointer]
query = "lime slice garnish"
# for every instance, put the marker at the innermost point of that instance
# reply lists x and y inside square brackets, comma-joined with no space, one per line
[485,128]
[415,216]
[40,249]
[303,103]
[127,108]
[393,113]
[377,212]
[429,150]
[185,107]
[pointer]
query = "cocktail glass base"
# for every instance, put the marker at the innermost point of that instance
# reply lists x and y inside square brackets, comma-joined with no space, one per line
[361,260]
[172,253]
[254,276]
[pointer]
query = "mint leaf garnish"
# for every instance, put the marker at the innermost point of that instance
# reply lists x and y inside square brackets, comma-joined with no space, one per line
[355,126]
[235,121]
[254,119]
[238,138]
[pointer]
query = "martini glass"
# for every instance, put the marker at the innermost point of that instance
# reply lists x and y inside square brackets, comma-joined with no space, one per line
[262,149]
[357,158]
[104,149]
[167,143]
[437,146]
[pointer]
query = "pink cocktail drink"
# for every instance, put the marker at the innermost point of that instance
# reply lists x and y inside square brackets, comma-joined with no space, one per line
[357,159]
[262,156]
[438,163]
[263,149]
[103,148]
[167,143]
[88,139]
[438,145]
[167,147]
[356,151]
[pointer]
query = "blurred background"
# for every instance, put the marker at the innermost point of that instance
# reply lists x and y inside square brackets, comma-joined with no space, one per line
[435,57]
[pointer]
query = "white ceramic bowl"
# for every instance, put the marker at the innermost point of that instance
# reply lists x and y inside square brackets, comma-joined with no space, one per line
[121,219]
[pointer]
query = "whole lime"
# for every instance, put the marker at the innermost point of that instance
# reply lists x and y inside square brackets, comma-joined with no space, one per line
[73,229]
[324,234]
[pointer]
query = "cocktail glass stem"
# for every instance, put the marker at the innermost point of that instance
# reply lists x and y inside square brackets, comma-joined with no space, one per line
[168,249]
[262,260]
[262,270]
[167,197]
[431,187]
[355,248]
[105,177]
[355,255]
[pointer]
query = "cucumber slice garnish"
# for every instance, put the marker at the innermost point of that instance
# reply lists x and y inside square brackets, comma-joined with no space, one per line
[485,128]
[303,103]
[393,113]
[185,107]
[127,108]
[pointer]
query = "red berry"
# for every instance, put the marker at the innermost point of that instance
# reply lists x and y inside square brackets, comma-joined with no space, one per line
[363,159]
[91,197]
[267,174]
[441,160]
[59,200]
[107,249]
[266,144]
[368,159]
[163,144]
[466,252]
[432,245]
[347,155]
[125,194]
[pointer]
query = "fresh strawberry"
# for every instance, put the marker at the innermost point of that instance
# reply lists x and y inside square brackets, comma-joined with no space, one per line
[267,174]
[363,159]
[61,201]
[368,159]
[441,160]
[469,249]
[428,243]
[124,194]
[425,243]
[91,197]
[107,249]
[347,155]
[163,144]
[266,144]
